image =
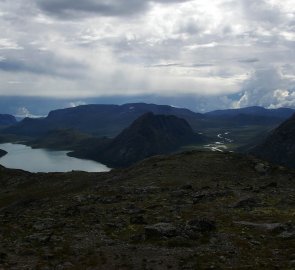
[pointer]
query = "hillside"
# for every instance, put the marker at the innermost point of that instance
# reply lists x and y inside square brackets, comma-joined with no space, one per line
[147,136]
[195,210]
[279,146]
[60,139]
[7,119]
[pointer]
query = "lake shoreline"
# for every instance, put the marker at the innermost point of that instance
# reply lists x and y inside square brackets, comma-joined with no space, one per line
[23,157]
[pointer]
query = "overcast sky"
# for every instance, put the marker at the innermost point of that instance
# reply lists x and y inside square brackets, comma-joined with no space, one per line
[224,53]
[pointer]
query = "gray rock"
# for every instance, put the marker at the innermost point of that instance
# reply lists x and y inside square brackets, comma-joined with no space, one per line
[271,227]
[39,237]
[160,230]
[261,168]
[44,224]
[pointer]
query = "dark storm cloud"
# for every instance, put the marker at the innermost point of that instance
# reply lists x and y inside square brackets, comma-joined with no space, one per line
[69,9]
[84,48]
[166,65]
[249,60]
[202,65]
[49,66]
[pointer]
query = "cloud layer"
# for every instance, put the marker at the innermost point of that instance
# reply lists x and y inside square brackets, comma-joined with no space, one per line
[213,50]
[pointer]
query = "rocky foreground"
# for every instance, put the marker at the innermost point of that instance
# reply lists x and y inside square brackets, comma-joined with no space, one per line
[195,210]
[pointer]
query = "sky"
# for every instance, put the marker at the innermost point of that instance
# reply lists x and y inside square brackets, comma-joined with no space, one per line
[199,54]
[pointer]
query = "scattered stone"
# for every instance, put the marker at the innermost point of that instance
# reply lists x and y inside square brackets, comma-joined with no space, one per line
[44,224]
[39,237]
[261,168]
[255,243]
[160,230]
[271,227]
[133,210]
[110,200]
[287,235]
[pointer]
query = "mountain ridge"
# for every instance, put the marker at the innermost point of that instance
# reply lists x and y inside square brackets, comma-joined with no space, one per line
[279,146]
[148,135]
[109,120]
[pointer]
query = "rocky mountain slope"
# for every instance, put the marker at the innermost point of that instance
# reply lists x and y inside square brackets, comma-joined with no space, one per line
[195,210]
[279,146]
[147,136]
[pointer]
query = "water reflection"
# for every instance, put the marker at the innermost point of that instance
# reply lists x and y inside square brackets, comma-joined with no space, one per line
[42,160]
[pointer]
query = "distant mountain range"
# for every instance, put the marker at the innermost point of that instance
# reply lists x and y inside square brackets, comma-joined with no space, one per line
[279,146]
[282,113]
[110,120]
[253,129]
[147,136]
[99,120]
[6,120]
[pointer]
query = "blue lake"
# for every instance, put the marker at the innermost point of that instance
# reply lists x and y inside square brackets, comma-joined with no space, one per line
[42,160]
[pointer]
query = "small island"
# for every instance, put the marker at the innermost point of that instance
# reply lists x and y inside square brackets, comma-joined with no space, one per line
[2,153]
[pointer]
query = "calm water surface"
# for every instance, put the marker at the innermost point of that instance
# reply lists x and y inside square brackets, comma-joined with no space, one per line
[42,160]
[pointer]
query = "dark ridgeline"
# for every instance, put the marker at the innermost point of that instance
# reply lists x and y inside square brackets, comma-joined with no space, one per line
[99,120]
[7,119]
[147,136]
[279,146]
[110,120]
[2,153]
[254,115]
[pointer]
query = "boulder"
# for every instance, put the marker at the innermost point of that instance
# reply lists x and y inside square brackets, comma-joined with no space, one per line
[160,230]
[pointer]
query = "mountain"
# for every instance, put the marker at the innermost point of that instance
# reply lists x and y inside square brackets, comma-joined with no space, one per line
[282,113]
[7,119]
[147,136]
[109,120]
[2,153]
[279,146]
[250,116]
[99,120]
[60,139]
[192,210]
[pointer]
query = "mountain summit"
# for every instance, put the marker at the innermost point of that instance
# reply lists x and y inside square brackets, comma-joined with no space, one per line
[149,135]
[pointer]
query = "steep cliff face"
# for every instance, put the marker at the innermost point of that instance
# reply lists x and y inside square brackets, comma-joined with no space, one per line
[279,147]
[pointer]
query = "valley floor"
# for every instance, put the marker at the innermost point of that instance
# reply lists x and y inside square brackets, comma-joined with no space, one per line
[194,210]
